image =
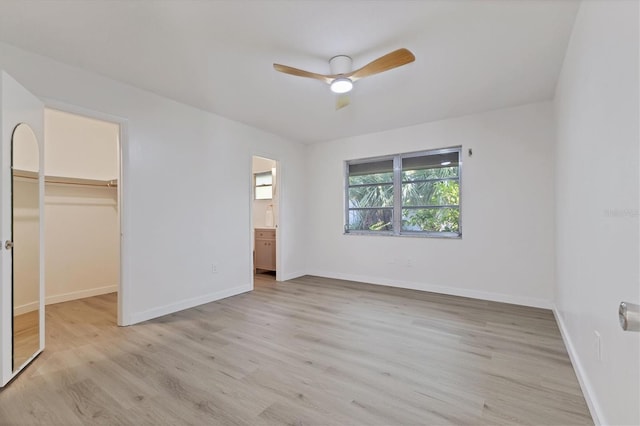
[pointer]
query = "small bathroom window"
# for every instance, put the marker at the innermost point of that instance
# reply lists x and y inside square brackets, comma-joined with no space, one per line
[263,186]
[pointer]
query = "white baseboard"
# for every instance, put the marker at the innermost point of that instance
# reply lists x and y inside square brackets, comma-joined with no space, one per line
[65,297]
[292,275]
[81,294]
[186,304]
[27,307]
[589,395]
[453,291]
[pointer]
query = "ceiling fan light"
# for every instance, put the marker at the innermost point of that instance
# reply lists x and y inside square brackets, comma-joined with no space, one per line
[341,85]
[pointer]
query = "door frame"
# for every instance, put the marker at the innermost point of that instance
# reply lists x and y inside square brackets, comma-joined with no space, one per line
[278,183]
[124,316]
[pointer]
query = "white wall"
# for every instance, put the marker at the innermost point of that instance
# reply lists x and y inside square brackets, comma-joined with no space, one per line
[81,242]
[186,189]
[81,147]
[506,252]
[597,204]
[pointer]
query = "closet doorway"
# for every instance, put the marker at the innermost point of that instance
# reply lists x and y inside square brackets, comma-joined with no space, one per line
[82,210]
[265,196]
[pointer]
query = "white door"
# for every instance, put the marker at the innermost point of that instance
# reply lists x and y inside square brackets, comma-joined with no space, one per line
[21,207]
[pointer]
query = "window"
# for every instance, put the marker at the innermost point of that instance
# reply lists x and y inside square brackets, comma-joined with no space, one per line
[263,186]
[405,194]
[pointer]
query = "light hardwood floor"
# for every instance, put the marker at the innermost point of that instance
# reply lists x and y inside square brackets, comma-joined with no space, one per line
[26,337]
[308,351]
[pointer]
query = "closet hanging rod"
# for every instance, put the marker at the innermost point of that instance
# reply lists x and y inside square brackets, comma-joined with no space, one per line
[61,180]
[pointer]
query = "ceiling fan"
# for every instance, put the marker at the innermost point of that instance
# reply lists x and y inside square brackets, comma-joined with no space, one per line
[342,78]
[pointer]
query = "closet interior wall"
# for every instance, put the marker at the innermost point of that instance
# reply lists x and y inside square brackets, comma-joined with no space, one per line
[82,232]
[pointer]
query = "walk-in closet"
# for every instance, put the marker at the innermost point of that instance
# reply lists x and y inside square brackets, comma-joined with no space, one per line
[82,234]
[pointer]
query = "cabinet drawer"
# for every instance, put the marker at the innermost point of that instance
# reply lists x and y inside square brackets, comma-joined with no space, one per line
[266,233]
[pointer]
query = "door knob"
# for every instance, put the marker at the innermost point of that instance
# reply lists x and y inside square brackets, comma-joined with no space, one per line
[629,315]
[8,245]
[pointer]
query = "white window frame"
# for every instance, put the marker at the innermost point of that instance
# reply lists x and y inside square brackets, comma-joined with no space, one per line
[256,186]
[397,195]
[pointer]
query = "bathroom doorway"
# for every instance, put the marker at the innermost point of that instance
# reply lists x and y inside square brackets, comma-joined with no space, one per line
[265,196]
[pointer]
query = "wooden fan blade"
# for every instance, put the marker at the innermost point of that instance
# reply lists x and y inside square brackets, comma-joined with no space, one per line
[302,73]
[392,60]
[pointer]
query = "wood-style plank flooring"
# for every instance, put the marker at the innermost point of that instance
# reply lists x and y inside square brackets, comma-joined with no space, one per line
[26,337]
[309,351]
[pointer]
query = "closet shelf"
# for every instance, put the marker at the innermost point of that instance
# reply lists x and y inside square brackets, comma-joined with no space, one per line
[62,180]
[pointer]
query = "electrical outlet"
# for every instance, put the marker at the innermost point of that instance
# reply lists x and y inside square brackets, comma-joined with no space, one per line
[214,268]
[598,346]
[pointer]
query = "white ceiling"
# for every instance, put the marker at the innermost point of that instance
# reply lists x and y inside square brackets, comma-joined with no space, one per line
[471,56]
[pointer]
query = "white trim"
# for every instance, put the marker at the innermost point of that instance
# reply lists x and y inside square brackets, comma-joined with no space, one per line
[82,111]
[292,275]
[188,303]
[585,385]
[81,294]
[280,269]
[453,291]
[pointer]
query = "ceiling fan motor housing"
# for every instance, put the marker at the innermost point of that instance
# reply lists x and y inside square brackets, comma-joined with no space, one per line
[340,64]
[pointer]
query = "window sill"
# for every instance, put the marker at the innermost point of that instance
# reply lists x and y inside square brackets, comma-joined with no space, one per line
[440,235]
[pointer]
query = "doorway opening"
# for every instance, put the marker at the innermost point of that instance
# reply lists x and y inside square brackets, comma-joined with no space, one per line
[82,211]
[265,215]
